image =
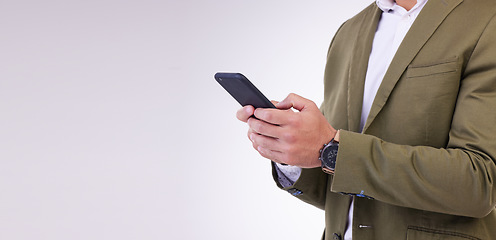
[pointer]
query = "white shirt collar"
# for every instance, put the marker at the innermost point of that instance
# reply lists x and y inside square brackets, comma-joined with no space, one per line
[387,5]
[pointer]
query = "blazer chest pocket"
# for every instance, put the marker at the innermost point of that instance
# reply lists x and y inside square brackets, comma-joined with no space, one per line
[433,83]
[448,67]
[425,98]
[420,233]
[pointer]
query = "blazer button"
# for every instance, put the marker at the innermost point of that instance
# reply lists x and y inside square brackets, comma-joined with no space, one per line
[336,236]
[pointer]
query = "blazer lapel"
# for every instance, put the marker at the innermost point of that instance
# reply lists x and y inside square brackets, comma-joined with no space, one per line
[358,68]
[429,19]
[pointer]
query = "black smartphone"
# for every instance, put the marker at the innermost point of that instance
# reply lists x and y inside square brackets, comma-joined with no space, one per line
[242,90]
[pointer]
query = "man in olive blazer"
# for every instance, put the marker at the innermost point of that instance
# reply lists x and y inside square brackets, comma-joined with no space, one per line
[423,167]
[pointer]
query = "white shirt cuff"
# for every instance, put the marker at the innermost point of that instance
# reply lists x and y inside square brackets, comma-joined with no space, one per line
[290,172]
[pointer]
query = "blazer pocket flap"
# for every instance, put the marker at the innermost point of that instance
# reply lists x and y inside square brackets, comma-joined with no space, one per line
[447,66]
[420,233]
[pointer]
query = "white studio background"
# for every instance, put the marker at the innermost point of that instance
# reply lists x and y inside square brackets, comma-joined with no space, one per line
[112,126]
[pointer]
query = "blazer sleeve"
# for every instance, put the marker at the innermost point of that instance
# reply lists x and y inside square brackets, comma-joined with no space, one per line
[310,187]
[458,179]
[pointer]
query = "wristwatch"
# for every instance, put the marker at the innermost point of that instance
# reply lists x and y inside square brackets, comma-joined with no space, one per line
[328,155]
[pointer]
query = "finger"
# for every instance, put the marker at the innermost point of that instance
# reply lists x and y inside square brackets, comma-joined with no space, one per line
[265,142]
[274,156]
[244,113]
[250,132]
[295,101]
[274,116]
[264,128]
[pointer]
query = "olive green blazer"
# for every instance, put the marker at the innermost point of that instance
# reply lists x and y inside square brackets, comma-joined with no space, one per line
[424,165]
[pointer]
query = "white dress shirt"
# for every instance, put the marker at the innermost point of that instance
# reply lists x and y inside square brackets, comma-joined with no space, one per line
[393,26]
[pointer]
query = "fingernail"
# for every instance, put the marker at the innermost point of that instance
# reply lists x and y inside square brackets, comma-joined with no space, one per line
[248,110]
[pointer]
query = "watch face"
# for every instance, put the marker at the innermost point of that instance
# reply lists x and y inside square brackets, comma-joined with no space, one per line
[329,155]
